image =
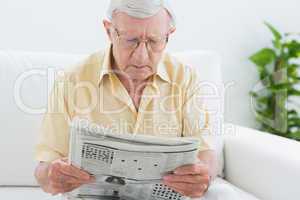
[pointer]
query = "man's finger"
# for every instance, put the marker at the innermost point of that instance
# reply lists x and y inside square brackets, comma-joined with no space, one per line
[192,169]
[71,187]
[58,188]
[70,170]
[62,178]
[187,178]
[55,188]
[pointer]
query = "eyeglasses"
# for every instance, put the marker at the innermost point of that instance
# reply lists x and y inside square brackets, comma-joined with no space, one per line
[155,44]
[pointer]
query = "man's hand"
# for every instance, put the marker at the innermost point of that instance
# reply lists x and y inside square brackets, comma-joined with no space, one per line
[189,180]
[61,177]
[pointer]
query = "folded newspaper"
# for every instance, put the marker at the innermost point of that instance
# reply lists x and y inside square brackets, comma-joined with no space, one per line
[127,166]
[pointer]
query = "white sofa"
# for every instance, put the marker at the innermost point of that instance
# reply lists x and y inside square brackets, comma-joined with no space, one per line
[257,165]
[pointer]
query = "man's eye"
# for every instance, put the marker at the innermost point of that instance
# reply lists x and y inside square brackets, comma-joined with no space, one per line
[134,40]
[152,41]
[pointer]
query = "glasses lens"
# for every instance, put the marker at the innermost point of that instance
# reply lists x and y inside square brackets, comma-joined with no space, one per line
[154,45]
[157,45]
[128,43]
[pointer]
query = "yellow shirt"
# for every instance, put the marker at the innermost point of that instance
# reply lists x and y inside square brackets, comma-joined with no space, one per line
[170,105]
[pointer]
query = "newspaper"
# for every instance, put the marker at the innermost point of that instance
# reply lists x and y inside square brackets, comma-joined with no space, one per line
[126,166]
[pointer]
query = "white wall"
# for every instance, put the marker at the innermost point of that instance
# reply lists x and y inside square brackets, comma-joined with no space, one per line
[233,28]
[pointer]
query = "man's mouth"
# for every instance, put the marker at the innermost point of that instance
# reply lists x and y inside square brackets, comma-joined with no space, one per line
[140,67]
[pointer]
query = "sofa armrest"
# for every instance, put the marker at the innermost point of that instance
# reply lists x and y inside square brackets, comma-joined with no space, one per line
[263,164]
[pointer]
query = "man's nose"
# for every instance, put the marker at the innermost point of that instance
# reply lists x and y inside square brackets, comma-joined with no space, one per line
[141,54]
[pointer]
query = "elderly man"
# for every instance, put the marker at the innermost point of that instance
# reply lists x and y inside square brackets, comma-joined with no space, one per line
[133,86]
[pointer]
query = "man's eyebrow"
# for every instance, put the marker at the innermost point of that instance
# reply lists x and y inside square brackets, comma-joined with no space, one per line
[131,33]
[127,33]
[149,35]
[123,30]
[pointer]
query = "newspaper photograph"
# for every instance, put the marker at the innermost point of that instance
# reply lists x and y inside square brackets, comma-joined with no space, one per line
[126,166]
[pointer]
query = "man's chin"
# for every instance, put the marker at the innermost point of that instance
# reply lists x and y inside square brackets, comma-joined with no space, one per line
[140,76]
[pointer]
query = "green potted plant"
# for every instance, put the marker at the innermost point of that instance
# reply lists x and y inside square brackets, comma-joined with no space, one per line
[276,98]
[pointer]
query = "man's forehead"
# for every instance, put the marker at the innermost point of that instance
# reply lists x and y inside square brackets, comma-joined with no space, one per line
[157,23]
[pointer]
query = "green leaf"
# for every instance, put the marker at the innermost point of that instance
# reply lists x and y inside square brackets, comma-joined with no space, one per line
[295,135]
[294,92]
[293,49]
[293,70]
[265,114]
[263,100]
[277,44]
[298,78]
[294,80]
[292,113]
[279,87]
[263,57]
[276,34]
[253,94]
[294,120]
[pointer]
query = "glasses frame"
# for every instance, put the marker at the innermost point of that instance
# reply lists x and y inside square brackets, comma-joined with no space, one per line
[146,41]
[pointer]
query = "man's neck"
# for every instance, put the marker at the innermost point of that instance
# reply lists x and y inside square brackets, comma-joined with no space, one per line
[134,87]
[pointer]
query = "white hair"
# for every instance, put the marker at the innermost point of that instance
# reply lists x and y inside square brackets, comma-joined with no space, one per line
[140,8]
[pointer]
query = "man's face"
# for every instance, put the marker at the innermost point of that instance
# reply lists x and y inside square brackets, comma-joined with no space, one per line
[137,59]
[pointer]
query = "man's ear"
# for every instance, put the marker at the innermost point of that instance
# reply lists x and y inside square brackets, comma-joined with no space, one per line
[107,26]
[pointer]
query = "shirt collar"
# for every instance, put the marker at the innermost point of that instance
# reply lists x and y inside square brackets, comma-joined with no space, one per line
[162,70]
[106,64]
[106,68]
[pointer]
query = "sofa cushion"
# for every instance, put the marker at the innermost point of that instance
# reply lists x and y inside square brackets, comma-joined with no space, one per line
[26,193]
[264,164]
[19,124]
[223,190]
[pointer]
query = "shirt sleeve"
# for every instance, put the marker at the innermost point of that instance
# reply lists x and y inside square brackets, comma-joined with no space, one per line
[53,140]
[195,115]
